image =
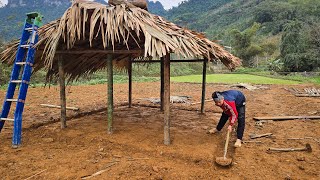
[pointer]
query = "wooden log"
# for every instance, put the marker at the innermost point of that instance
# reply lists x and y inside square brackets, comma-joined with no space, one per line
[307,148]
[307,95]
[254,136]
[166,99]
[63,101]
[139,3]
[110,93]
[130,84]
[59,107]
[284,118]
[204,75]
[161,83]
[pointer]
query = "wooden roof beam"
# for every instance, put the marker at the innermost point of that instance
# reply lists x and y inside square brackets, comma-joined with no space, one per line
[138,51]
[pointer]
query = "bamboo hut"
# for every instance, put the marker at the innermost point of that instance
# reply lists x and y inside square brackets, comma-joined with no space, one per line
[92,36]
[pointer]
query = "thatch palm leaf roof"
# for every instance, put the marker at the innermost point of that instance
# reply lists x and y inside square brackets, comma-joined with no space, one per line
[90,25]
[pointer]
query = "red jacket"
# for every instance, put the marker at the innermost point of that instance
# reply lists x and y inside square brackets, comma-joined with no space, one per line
[229,108]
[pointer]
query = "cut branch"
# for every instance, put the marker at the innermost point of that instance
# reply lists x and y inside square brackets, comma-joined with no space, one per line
[59,107]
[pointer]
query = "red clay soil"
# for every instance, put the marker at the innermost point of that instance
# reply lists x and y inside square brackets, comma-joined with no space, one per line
[135,150]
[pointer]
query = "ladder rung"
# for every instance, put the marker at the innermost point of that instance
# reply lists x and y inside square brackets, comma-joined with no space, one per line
[29,29]
[12,100]
[16,81]
[24,63]
[25,46]
[20,81]
[6,119]
[21,63]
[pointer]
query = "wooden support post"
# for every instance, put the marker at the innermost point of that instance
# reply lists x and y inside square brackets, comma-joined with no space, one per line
[110,93]
[130,83]
[161,82]
[63,102]
[166,99]
[204,77]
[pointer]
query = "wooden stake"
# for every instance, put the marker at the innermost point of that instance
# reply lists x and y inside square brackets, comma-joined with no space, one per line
[110,93]
[99,172]
[284,118]
[130,83]
[204,75]
[59,107]
[161,83]
[166,99]
[253,136]
[251,141]
[63,102]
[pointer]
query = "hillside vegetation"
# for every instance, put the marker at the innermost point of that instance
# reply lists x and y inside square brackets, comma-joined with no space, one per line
[284,35]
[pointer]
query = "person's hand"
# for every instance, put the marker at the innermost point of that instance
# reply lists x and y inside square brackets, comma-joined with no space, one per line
[230,128]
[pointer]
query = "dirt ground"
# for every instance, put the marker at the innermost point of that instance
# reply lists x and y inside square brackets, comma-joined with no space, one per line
[135,150]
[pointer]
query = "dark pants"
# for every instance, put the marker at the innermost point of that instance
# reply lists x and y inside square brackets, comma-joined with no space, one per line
[241,121]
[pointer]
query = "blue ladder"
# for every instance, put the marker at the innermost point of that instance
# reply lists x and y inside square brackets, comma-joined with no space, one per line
[28,40]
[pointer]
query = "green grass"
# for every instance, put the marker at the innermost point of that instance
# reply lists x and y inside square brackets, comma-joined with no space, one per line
[233,78]
[117,79]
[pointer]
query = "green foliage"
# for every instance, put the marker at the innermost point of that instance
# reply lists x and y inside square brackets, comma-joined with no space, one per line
[11,27]
[300,47]
[275,65]
[242,44]
[156,8]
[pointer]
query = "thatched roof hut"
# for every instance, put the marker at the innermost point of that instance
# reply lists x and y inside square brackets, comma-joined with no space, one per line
[125,32]
[92,36]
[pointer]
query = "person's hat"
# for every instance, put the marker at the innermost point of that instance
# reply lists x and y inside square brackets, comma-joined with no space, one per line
[216,96]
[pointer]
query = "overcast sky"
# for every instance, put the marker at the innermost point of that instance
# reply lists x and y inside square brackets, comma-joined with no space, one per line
[166,3]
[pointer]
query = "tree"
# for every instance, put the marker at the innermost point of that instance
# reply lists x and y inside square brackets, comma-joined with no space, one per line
[243,46]
[299,48]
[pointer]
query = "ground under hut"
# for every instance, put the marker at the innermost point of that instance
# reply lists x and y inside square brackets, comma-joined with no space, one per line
[92,36]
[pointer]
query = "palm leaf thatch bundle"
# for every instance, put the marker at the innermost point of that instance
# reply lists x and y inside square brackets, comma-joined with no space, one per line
[92,26]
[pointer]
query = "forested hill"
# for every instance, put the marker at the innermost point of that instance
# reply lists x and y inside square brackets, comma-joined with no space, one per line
[284,32]
[13,14]
[215,17]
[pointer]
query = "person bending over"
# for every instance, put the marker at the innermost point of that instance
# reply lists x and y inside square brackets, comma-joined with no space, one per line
[232,102]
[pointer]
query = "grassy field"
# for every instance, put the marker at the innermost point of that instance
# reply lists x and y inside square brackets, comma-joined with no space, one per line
[233,78]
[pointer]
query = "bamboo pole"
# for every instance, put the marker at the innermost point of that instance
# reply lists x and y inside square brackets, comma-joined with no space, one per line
[171,61]
[130,83]
[63,102]
[166,99]
[161,83]
[86,51]
[204,78]
[110,93]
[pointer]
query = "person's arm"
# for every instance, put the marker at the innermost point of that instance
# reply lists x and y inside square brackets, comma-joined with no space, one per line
[233,112]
